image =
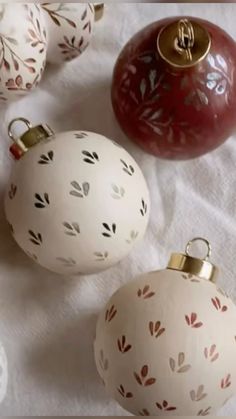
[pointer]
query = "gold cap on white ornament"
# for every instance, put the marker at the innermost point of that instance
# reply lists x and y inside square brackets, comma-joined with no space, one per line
[194,266]
[29,138]
[98,11]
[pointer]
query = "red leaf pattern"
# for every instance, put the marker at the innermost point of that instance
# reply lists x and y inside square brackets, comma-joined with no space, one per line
[123,393]
[145,292]
[165,406]
[123,346]
[142,379]
[156,329]
[226,382]
[217,304]
[191,320]
[110,313]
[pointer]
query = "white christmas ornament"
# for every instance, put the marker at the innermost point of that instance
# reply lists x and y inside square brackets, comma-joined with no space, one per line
[76,201]
[23,44]
[70,27]
[165,343]
[3,373]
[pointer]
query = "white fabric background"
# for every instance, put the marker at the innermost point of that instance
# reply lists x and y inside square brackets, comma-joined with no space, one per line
[47,322]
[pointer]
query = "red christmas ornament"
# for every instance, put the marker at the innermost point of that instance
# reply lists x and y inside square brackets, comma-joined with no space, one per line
[174,88]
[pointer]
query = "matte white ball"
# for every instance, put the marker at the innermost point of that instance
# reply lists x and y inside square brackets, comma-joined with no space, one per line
[77,203]
[165,345]
[70,28]
[3,373]
[23,47]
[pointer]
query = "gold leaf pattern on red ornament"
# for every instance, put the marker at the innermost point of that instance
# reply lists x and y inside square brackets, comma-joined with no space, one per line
[211,354]
[192,321]
[226,382]
[217,304]
[198,395]
[123,346]
[156,329]
[145,292]
[110,313]
[143,379]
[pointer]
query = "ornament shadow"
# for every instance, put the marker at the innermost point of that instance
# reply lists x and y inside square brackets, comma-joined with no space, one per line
[64,363]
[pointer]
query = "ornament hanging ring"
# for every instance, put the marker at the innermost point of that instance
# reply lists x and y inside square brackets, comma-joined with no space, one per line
[24,120]
[204,241]
[185,38]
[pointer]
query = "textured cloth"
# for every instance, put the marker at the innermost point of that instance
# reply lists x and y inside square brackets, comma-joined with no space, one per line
[47,322]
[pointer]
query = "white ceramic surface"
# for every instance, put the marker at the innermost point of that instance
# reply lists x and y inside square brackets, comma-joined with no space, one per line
[77,203]
[22,48]
[3,373]
[70,28]
[165,345]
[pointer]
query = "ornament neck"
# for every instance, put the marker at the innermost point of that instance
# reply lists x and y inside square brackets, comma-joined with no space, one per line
[183,43]
[194,266]
[31,137]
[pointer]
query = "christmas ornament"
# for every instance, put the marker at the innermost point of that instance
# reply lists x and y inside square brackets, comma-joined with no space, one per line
[165,343]
[32,33]
[76,201]
[174,87]
[3,373]
[70,28]
[22,48]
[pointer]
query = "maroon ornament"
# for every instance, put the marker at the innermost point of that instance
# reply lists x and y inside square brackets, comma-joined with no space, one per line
[174,88]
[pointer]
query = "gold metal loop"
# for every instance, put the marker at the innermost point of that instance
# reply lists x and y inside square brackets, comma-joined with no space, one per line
[189,244]
[24,120]
[185,38]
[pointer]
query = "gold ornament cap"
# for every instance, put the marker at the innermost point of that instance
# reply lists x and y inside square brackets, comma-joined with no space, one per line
[98,11]
[183,43]
[194,266]
[29,138]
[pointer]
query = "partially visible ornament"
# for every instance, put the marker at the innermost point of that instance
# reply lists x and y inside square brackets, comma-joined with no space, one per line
[23,44]
[76,201]
[174,87]
[70,28]
[165,343]
[3,373]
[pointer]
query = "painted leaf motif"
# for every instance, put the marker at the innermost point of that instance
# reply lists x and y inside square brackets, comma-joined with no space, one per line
[172,364]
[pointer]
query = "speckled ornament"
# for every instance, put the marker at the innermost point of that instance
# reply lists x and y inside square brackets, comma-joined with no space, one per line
[23,44]
[76,201]
[165,343]
[3,373]
[70,29]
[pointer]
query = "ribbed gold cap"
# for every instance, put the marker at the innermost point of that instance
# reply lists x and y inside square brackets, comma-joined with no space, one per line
[98,11]
[29,138]
[200,267]
[183,43]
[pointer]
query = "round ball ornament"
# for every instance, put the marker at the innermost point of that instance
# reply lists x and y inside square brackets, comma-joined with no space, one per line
[76,201]
[165,343]
[174,88]
[70,27]
[3,373]
[23,44]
